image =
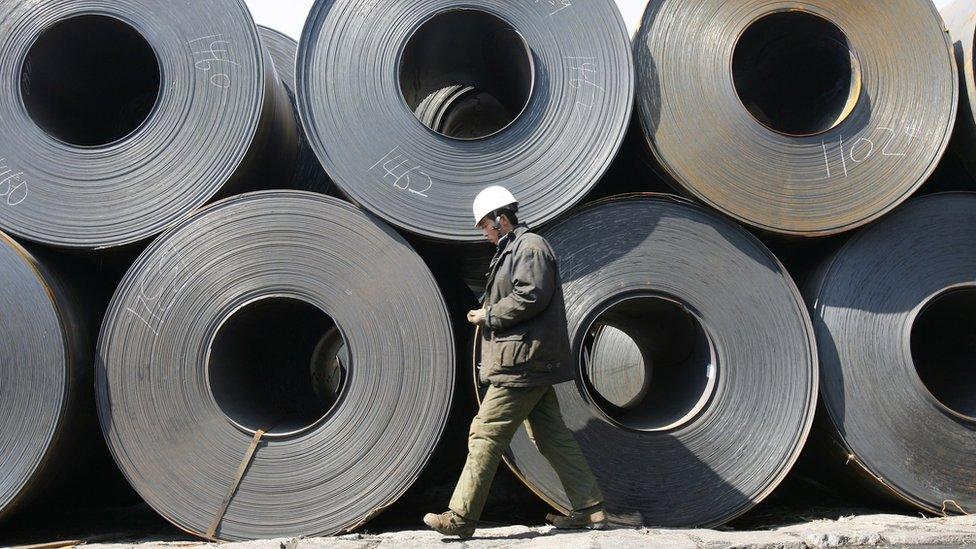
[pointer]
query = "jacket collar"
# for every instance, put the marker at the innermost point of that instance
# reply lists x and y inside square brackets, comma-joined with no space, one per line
[504,245]
[512,236]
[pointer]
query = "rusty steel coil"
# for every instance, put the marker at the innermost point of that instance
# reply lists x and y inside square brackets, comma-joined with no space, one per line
[960,16]
[121,117]
[804,118]
[893,311]
[415,106]
[232,323]
[309,174]
[728,363]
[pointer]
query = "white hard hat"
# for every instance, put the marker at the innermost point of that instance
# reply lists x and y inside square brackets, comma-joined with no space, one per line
[491,199]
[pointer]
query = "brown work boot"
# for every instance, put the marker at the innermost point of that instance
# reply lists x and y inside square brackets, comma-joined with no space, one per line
[451,524]
[593,518]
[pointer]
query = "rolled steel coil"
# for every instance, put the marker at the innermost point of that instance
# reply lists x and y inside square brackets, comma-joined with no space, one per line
[821,120]
[415,107]
[960,17]
[45,380]
[122,117]
[309,174]
[218,331]
[729,394]
[893,313]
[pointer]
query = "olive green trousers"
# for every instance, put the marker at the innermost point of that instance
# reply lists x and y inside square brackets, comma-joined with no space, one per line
[502,411]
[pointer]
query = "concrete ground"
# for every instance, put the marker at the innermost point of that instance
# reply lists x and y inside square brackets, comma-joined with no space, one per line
[854,531]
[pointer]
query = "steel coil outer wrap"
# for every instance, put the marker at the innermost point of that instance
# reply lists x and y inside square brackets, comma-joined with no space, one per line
[309,174]
[364,68]
[731,378]
[122,117]
[210,338]
[45,379]
[893,314]
[960,16]
[823,121]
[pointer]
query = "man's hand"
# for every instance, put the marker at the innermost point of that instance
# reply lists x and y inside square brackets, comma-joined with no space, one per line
[477,317]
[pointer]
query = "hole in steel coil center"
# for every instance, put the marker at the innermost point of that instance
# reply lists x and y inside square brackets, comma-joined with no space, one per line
[943,345]
[277,364]
[466,74]
[795,73]
[90,80]
[648,363]
[618,368]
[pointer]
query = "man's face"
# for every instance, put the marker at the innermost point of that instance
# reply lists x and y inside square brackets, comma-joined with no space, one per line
[487,227]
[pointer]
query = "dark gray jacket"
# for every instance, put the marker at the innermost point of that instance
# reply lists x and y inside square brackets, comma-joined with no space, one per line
[526,340]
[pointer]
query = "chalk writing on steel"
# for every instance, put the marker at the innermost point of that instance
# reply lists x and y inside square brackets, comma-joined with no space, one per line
[555,6]
[13,186]
[212,55]
[404,173]
[843,155]
[155,296]
[584,80]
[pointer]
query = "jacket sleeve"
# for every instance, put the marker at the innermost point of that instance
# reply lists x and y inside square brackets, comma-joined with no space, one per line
[534,282]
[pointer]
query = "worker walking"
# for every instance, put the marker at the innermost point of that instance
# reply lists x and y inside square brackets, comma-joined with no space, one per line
[525,350]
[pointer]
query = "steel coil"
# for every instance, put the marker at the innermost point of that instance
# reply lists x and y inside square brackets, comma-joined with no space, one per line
[416,106]
[731,380]
[122,117]
[960,16]
[46,404]
[309,174]
[893,313]
[809,152]
[219,330]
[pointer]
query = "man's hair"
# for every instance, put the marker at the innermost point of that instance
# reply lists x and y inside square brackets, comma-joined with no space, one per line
[507,212]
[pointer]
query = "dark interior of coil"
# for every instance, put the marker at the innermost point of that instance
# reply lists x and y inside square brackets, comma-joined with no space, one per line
[795,72]
[466,74]
[676,354]
[90,80]
[278,364]
[943,345]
